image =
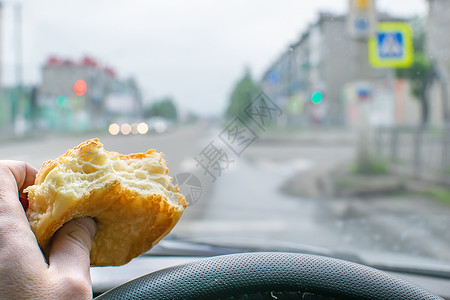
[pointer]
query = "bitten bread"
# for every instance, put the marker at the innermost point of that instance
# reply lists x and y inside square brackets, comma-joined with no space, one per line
[131,197]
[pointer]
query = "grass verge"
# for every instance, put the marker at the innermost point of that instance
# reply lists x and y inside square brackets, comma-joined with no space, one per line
[441,195]
[375,166]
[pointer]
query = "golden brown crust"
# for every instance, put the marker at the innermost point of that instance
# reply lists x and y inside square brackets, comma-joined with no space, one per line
[130,220]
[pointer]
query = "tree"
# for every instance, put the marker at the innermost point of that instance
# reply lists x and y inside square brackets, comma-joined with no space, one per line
[163,108]
[421,73]
[243,93]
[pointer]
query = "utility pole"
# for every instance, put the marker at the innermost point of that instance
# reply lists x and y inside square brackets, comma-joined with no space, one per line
[443,78]
[361,22]
[1,44]
[18,113]
[18,44]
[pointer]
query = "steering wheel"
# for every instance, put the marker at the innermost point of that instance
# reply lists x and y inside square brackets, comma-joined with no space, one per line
[268,275]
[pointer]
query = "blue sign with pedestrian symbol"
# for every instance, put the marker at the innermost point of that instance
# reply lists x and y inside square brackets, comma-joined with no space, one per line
[391,46]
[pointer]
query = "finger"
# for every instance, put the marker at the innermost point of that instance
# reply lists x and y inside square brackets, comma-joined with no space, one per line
[71,246]
[16,237]
[23,173]
[15,176]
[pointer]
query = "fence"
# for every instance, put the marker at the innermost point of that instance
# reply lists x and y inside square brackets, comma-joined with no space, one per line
[422,153]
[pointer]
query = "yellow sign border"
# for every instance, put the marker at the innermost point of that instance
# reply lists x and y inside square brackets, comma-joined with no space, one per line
[404,62]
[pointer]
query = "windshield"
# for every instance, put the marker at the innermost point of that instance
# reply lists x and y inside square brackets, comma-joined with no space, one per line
[312,125]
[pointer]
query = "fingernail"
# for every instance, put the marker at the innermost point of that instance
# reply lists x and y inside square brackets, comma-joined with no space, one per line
[89,224]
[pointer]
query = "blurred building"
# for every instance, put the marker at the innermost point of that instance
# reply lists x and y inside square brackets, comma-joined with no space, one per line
[62,107]
[438,49]
[319,67]
[388,103]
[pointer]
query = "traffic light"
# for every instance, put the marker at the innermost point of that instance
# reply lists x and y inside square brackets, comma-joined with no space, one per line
[61,101]
[80,87]
[362,4]
[316,97]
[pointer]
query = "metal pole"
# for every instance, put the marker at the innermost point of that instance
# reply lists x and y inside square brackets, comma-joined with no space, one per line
[17,114]
[18,43]
[444,81]
[445,147]
[417,155]
[377,137]
[1,44]
[394,144]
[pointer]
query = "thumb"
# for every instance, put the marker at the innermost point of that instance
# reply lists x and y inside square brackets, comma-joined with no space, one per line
[71,245]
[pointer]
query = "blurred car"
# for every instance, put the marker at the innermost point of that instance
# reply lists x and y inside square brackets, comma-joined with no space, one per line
[160,125]
[125,128]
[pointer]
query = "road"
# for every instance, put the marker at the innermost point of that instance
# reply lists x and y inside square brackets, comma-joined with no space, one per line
[177,145]
[245,205]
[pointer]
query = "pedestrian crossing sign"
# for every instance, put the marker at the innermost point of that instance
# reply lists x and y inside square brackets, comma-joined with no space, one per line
[391,46]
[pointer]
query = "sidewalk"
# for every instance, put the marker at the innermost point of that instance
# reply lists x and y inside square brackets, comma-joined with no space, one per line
[382,213]
[339,181]
[309,136]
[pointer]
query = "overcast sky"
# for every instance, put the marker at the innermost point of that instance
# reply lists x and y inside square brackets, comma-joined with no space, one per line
[193,50]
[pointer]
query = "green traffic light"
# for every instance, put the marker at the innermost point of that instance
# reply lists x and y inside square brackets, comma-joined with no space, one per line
[316,97]
[61,101]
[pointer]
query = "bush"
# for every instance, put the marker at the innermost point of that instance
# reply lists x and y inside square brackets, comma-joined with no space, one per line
[375,166]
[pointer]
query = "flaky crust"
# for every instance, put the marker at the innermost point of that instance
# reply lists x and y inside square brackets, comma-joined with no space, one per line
[130,197]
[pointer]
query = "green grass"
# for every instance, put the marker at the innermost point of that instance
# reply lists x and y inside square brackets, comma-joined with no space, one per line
[274,128]
[376,166]
[446,171]
[441,195]
[346,183]
[436,131]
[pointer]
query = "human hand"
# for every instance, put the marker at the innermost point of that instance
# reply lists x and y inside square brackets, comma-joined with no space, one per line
[24,271]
